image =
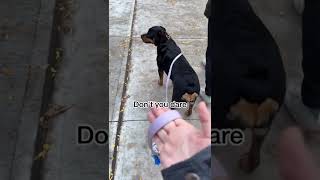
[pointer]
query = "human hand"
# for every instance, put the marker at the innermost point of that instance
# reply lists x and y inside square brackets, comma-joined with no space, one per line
[179,140]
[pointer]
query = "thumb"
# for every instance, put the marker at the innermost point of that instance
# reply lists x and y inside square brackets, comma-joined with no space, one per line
[205,119]
[296,162]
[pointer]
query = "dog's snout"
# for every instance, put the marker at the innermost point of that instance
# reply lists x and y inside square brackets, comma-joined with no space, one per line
[146,39]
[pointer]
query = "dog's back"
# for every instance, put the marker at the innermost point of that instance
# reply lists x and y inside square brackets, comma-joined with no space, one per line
[183,76]
[247,66]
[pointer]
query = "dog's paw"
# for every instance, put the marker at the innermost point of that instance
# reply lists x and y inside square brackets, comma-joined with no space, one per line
[188,113]
[248,163]
[160,83]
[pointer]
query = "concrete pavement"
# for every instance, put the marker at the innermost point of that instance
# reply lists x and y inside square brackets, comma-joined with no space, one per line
[184,21]
[42,64]
[80,81]
[25,40]
[129,156]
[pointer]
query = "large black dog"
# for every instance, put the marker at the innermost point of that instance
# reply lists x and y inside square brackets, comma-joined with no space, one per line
[248,74]
[185,81]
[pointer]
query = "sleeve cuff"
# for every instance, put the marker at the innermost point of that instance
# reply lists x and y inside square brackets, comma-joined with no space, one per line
[199,164]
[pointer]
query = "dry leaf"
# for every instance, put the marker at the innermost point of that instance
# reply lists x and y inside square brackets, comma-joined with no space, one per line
[6,71]
[53,70]
[110,176]
[43,153]
[53,111]
[172,2]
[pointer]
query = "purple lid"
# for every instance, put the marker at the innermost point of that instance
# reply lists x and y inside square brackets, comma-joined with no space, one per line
[160,122]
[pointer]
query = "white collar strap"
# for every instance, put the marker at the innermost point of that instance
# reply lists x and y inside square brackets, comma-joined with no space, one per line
[169,74]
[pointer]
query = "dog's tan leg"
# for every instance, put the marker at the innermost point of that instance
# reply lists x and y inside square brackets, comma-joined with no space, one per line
[160,77]
[251,160]
[190,99]
[256,117]
[190,107]
[266,111]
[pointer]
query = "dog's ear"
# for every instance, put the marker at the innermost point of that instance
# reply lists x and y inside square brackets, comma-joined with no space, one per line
[163,32]
[164,29]
[160,36]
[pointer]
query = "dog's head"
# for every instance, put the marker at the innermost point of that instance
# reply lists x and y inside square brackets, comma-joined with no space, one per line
[156,35]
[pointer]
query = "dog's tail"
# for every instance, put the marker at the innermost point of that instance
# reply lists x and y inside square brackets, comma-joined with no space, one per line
[252,115]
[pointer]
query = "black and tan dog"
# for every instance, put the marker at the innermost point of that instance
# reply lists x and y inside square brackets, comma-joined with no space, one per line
[185,81]
[248,75]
